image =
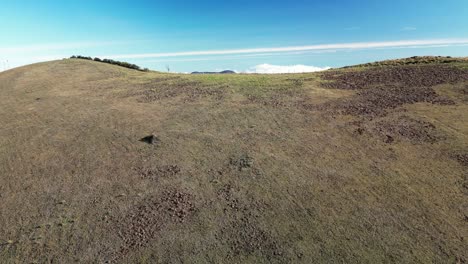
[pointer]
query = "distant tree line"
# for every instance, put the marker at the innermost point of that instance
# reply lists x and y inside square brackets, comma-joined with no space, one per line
[113,62]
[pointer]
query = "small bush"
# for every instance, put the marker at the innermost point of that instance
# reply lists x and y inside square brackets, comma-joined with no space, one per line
[83,57]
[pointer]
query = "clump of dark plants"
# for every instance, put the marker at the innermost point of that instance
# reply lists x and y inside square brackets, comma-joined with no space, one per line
[242,163]
[113,62]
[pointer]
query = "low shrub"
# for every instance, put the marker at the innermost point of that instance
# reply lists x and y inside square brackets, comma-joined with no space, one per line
[113,62]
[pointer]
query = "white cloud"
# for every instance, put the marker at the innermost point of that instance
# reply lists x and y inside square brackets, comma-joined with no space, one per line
[239,57]
[337,46]
[271,69]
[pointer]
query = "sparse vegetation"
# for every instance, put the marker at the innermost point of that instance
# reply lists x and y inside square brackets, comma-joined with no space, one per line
[358,165]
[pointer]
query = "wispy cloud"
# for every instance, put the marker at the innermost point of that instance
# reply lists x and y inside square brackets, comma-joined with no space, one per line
[337,46]
[238,57]
[272,69]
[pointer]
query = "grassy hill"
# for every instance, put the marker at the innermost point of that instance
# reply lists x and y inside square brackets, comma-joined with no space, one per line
[366,164]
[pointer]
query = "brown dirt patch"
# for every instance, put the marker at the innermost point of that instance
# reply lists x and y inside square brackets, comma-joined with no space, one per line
[157,172]
[300,101]
[464,90]
[418,60]
[143,222]
[407,128]
[226,194]
[414,76]
[242,231]
[246,237]
[378,100]
[462,158]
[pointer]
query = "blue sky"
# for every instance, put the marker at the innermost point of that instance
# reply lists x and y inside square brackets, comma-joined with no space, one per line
[238,35]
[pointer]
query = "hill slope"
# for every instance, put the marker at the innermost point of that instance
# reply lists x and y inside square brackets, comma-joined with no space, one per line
[349,165]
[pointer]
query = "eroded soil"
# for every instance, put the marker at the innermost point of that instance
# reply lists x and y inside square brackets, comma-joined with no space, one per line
[144,221]
[380,91]
[412,76]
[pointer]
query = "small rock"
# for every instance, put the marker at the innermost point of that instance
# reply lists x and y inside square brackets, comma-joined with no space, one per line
[389,139]
[151,139]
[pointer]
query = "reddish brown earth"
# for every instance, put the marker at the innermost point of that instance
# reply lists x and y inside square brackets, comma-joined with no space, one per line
[410,76]
[143,222]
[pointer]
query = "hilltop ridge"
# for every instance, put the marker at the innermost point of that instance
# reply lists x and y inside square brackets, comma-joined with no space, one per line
[101,163]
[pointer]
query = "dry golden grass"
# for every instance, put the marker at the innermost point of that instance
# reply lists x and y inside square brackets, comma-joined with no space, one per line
[248,168]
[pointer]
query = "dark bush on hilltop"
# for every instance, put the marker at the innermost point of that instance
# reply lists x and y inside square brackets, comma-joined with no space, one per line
[113,62]
[81,57]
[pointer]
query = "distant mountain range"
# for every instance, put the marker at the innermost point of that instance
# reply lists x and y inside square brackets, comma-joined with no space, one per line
[223,72]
